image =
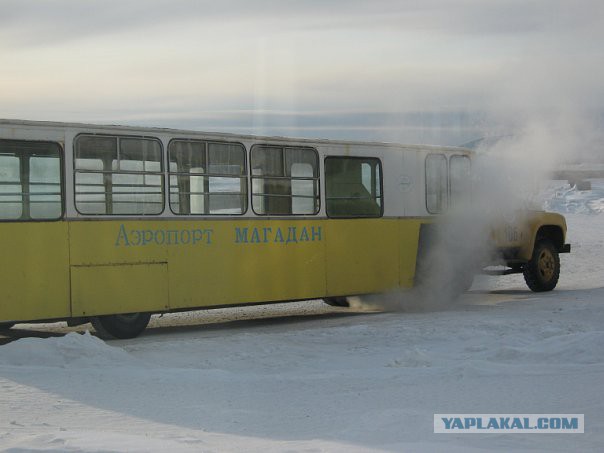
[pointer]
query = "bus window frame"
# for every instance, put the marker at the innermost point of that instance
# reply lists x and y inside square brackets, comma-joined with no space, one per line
[161,173]
[316,180]
[245,175]
[62,181]
[452,157]
[445,205]
[382,196]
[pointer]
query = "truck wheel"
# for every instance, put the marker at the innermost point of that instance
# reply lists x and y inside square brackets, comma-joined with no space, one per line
[120,326]
[336,301]
[541,273]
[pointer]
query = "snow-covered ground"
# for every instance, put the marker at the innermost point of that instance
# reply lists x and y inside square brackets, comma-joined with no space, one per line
[308,377]
[563,198]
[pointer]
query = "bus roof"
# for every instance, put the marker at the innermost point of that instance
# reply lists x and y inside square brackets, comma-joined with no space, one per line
[226,135]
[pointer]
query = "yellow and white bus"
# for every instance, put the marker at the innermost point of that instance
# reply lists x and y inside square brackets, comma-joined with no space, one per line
[110,224]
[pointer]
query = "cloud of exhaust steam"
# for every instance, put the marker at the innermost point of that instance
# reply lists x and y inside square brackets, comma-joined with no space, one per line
[457,246]
[509,169]
[506,175]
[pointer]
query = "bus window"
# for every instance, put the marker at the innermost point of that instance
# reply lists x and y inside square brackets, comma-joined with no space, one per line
[228,188]
[460,179]
[187,170]
[303,190]
[207,177]
[302,165]
[118,175]
[30,180]
[44,187]
[353,187]
[137,187]
[11,203]
[436,183]
[285,180]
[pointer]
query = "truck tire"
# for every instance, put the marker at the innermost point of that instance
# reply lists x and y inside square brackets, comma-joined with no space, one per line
[541,273]
[123,326]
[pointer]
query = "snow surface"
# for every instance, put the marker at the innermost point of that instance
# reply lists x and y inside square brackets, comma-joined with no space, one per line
[309,377]
[561,197]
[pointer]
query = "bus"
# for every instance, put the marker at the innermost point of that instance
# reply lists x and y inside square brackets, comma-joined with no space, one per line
[110,224]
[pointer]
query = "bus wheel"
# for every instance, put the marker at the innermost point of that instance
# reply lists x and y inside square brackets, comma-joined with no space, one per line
[542,271]
[120,326]
[337,301]
[6,325]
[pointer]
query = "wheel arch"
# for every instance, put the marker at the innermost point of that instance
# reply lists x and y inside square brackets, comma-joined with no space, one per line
[552,232]
[537,232]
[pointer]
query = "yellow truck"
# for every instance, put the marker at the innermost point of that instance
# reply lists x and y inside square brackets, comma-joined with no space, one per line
[530,243]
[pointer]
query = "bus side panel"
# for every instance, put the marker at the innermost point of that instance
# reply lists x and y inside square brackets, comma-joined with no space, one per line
[408,240]
[123,288]
[362,256]
[215,262]
[35,275]
[248,261]
[94,242]
[118,266]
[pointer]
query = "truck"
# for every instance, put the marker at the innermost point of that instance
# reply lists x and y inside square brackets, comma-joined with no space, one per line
[531,243]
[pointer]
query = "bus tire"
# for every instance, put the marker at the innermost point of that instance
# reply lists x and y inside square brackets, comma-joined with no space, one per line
[123,326]
[541,273]
[6,325]
[337,301]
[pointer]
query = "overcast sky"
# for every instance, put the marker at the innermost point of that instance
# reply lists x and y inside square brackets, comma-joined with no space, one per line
[416,70]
